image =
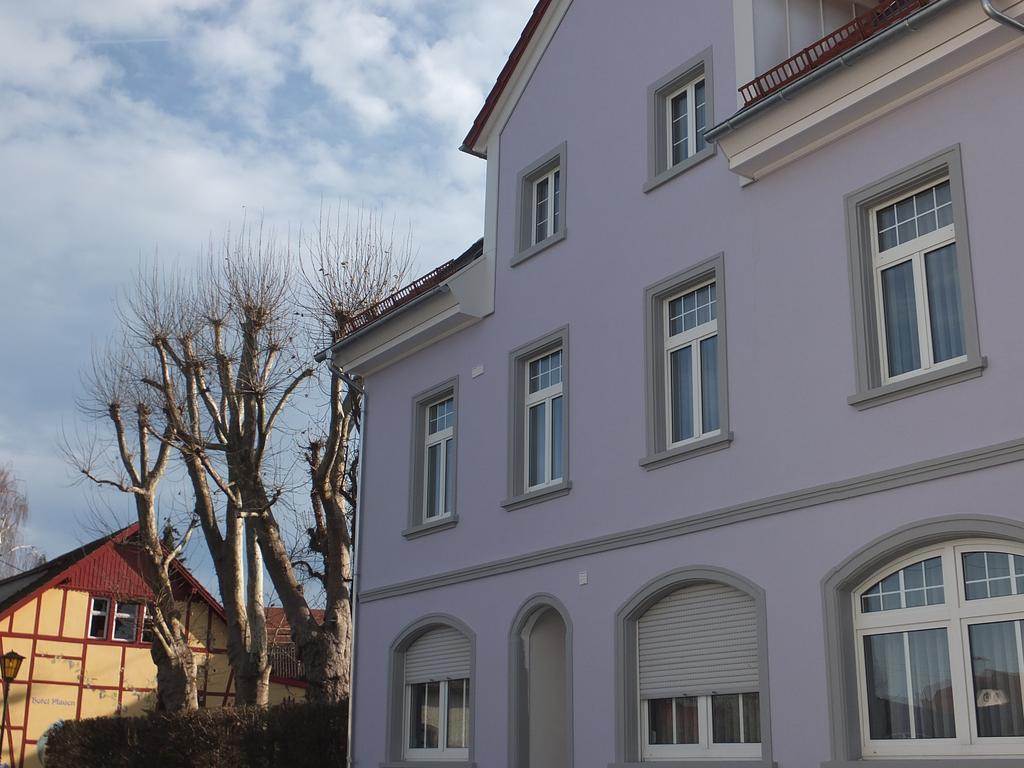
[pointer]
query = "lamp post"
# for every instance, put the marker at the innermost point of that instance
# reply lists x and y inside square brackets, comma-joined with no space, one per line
[10,664]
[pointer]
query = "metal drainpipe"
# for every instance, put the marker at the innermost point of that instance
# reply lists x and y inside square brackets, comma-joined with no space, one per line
[361,389]
[1001,17]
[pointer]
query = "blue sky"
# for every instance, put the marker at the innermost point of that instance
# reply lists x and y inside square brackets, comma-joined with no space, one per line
[131,126]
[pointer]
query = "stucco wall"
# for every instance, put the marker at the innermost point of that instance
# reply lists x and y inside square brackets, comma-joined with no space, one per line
[790,368]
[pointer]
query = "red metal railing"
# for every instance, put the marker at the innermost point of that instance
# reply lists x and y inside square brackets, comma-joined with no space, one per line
[412,291]
[830,47]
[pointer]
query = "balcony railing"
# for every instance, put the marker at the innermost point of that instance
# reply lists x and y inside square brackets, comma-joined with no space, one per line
[830,47]
[412,291]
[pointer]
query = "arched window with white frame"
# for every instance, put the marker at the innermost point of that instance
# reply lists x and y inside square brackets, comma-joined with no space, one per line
[939,641]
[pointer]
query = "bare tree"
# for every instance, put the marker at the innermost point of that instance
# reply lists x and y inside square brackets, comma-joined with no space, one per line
[15,556]
[178,323]
[350,266]
[133,460]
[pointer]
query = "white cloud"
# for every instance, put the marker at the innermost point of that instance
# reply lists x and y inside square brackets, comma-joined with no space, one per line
[109,151]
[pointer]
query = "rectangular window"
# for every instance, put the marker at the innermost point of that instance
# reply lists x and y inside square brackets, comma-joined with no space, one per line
[543,420]
[99,616]
[541,213]
[432,504]
[691,352]
[126,622]
[440,460]
[546,205]
[686,387]
[914,321]
[679,111]
[916,276]
[539,418]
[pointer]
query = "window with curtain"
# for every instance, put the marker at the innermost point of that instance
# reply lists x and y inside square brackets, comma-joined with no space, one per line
[544,420]
[916,278]
[940,653]
[699,676]
[691,364]
[439,460]
[437,696]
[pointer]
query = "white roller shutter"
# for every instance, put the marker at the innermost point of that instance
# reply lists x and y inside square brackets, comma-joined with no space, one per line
[696,641]
[440,654]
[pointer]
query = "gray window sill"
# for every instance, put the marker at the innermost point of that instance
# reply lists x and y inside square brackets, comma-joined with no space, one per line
[429,764]
[433,526]
[752,763]
[944,762]
[533,250]
[656,181]
[688,451]
[536,497]
[943,377]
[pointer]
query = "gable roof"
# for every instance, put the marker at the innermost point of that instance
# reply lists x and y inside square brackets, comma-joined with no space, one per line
[504,77]
[108,564]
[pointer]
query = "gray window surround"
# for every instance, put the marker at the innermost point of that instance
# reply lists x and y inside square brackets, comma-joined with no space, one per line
[518,719]
[840,666]
[416,525]
[658,455]
[525,247]
[518,496]
[627,739]
[657,141]
[870,390]
[395,723]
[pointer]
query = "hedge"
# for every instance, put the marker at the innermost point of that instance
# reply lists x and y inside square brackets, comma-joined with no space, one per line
[289,735]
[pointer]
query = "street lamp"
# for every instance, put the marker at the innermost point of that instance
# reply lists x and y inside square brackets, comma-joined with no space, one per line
[10,664]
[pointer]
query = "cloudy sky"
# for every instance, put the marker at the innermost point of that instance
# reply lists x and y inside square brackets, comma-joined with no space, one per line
[128,126]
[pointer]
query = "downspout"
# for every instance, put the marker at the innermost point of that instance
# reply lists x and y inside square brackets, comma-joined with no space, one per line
[357,383]
[1001,17]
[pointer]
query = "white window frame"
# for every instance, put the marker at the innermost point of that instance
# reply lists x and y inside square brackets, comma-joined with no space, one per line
[146,614]
[117,614]
[552,206]
[705,748]
[690,89]
[532,399]
[955,615]
[106,618]
[442,752]
[442,438]
[913,251]
[692,338]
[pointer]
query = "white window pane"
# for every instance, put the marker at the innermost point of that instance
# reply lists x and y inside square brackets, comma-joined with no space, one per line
[536,441]
[424,711]
[458,714]
[916,585]
[700,110]
[433,481]
[98,618]
[735,719]
[541,215]
[681,393]
[557,438]
[449,476]
[995,658]
[900,308]
[946,318]
[126,621]
[914,702]
[709,384]
[680,127]
[556,205]
[659,721]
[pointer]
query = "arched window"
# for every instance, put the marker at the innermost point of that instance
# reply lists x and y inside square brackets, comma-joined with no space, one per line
[432,693]
[939,643]
[693,671]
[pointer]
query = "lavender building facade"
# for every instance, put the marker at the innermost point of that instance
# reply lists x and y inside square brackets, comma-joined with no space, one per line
[709,453]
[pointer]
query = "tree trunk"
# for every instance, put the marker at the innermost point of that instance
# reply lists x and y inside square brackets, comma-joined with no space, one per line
[175,677]
[326,658]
